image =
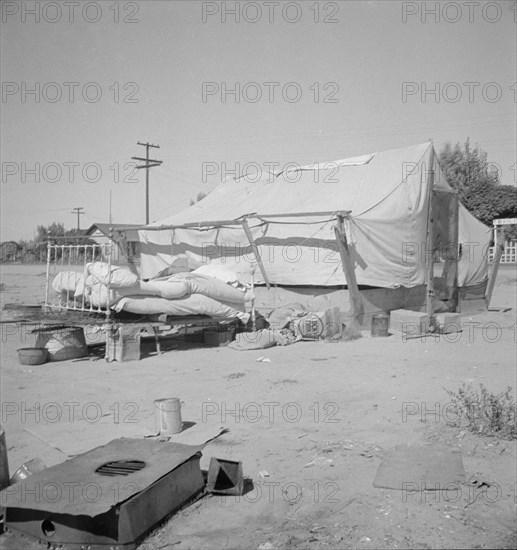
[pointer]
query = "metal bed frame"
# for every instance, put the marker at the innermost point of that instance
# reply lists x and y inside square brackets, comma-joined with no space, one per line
[75,258]
[79,255]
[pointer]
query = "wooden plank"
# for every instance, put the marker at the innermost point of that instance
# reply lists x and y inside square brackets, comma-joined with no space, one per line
[254,246]
[236,221]
[343,213]
[348,269]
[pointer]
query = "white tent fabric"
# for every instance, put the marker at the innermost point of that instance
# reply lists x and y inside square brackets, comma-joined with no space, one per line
[387,194]
[474,238]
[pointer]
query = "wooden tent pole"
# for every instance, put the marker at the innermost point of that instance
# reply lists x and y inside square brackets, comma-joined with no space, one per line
[430,237]
[253,312]
[47,282]
[450,269]
[254,246]
[499,239]
[356,303]
[452,282]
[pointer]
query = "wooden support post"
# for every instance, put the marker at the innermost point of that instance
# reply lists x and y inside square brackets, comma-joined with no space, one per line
[450,269]
[110,249]
[253,312]
[499,239]
[254,246]
[47,282]
[430,238]
[356,303]
[156,332]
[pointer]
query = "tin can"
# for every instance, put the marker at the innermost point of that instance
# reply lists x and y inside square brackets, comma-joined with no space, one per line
[167,415]
[380,324]
[33,466]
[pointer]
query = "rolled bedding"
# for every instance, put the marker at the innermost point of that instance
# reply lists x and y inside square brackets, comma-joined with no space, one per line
[181,284]
[195,304]
[96,294]
[165,288]
[166,291]
[66,281]
[72,285]
[213,288]
[118,277]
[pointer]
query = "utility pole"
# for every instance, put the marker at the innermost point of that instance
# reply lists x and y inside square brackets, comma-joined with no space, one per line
[78,210]
[149,163]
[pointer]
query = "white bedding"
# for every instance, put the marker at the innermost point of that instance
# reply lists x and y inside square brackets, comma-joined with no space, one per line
[195,304]
[181,294]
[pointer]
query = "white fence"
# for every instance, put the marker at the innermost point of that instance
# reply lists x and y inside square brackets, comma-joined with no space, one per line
[509,255]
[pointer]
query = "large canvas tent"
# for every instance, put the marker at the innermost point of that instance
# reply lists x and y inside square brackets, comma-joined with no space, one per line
[387,215]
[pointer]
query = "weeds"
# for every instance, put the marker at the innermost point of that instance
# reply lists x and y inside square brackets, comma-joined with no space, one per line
[484,412]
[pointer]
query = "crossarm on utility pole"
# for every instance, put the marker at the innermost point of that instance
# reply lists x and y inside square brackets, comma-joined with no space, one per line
[149,163]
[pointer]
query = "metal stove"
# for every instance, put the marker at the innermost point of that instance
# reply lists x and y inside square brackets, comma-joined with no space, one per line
[107,498]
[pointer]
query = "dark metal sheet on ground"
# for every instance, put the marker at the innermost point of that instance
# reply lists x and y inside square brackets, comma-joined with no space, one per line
[430,467]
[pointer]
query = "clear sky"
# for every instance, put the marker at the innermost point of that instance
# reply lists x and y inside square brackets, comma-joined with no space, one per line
[336,79]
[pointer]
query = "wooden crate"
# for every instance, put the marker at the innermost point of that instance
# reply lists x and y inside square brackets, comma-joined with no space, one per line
[123,343]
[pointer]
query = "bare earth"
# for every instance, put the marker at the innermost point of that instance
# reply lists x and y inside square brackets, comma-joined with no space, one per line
[340,401]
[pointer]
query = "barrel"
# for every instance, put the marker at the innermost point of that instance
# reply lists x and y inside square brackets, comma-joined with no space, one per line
[167,415]
[62,343]
[380,324]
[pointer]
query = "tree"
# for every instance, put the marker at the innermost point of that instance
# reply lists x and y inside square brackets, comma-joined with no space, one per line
[56,233]
[478,185]
[54,230]
[490,202]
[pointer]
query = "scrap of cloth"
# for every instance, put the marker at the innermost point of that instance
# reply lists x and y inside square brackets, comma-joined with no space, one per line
[262,339]
[430,467]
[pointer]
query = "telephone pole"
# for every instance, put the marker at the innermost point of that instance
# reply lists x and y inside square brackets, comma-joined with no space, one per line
[78,210]
[149,163]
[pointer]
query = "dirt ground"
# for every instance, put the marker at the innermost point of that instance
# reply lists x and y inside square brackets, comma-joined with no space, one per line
[339,401]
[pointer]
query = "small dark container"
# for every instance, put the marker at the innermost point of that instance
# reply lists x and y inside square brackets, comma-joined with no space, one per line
[32,356]
[380,324]
[218,337]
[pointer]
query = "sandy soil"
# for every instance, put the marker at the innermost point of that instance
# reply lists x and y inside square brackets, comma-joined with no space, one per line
[340,401]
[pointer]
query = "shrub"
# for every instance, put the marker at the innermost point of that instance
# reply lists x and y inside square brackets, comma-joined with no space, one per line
[485,413]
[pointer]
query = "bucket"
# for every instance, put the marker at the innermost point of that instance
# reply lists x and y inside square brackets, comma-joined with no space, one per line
[4,464]
[380,324]
[62,343]
[32,356]
[167,415]
[33,466]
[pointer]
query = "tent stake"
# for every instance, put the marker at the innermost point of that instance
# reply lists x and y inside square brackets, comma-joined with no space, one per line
[348,268]
[255,251]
